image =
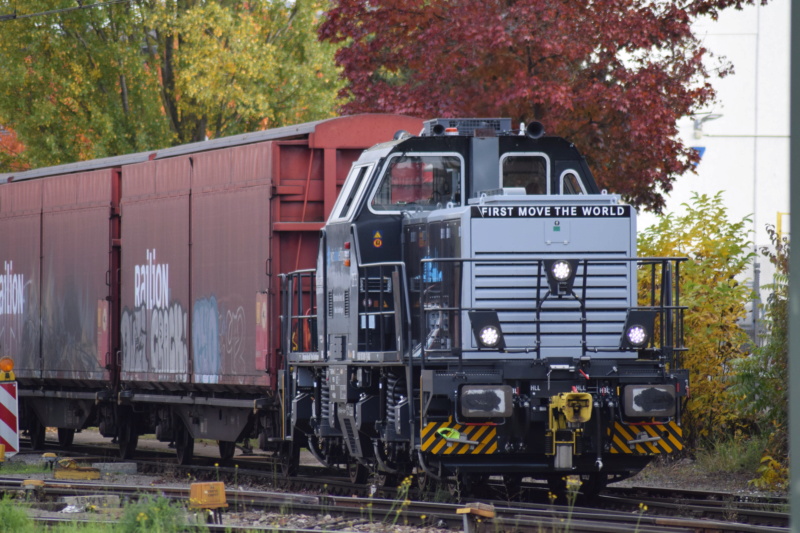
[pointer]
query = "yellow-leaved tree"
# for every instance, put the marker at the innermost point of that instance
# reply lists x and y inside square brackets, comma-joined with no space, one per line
[79,84]
[715,292]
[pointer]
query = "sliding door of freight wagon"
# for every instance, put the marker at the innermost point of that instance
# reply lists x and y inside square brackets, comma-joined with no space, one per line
[75,248]
[154,280]
[229,255]
[20,250]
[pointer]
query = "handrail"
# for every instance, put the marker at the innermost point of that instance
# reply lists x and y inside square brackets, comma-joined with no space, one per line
[664,292]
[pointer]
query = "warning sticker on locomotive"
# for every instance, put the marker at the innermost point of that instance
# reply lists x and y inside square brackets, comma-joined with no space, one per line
[446,438]
[646,439]
[547,211]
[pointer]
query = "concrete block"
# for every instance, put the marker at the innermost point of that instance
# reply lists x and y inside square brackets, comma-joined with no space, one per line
[115,468]
[101,501]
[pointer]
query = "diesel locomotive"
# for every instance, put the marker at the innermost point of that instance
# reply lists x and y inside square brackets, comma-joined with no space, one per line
[458,303]
[475,310]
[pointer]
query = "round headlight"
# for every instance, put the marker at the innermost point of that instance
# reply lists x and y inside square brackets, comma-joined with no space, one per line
[561,270]
[490,336]
[637,335]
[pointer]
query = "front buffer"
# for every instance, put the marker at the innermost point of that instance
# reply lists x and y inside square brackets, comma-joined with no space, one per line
[549,419]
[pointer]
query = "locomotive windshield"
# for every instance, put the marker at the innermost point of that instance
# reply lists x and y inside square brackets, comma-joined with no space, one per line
[423,181]
[527,171]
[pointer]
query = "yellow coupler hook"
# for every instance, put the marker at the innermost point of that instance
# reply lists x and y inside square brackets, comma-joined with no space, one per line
[568,410]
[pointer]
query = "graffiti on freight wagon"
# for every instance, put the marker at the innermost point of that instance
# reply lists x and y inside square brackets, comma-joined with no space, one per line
[151,283]
[19,318]
[12,291]
[216,335]
[155,340]
[155,332]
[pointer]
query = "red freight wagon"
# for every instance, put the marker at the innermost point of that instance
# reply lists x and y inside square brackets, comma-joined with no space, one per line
[20,231]
[159,290]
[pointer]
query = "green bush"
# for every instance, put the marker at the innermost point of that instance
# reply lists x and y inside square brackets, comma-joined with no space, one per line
[711,287]
[761,383]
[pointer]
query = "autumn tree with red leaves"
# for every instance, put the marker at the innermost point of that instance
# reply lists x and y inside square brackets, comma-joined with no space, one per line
[613,76]
[10,149]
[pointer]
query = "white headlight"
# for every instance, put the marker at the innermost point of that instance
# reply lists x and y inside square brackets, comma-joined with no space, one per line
[561,270]
[490,336]
[637,335]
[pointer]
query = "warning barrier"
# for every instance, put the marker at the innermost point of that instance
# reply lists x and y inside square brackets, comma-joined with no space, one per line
[9,417]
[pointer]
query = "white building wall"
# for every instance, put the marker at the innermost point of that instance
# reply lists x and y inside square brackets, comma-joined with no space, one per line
[747,147]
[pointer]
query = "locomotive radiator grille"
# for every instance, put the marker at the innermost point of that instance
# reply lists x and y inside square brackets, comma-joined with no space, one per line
[442,438]
[646,439]
[515,291]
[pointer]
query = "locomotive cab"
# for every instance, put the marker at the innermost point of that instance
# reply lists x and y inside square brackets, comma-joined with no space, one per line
[478,311]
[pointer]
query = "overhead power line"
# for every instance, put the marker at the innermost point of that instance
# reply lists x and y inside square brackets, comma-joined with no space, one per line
[15,16]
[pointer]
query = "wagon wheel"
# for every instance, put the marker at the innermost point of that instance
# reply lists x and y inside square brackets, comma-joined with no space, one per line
[65,437]
[226,449]
[289,458]
[36,433]
[184,443]
[127,436]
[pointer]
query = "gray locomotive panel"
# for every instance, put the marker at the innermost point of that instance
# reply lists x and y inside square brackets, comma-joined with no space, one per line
[518,237]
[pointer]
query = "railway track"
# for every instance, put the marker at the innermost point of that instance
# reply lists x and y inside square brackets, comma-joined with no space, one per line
[319,491]
[352,511]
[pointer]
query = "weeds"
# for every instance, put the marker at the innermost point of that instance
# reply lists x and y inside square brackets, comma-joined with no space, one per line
[401,502]
[642,510]
[156,515]
[737,454]
[18,467]
[14,519]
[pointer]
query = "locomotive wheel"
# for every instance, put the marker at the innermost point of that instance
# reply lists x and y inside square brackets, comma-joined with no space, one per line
[184,444]
[226,449]
[384,479]
[357,472]
[592,486]
[513,486]
[425,483]
[127,438]
[289,459]
[36,433]
[463,485]
[557,485]
[65,437]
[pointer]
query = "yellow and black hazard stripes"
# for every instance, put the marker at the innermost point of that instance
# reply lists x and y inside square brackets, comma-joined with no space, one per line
[647,439]
[448,438]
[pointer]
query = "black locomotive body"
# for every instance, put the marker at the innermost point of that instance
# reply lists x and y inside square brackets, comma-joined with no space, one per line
[476,311]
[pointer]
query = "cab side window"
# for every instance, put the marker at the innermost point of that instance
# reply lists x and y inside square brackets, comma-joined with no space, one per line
[526,171]
[571,183]
[343,207]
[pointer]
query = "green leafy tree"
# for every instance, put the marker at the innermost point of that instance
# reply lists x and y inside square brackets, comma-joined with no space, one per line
[134,76]
[761,384]
[711,287]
